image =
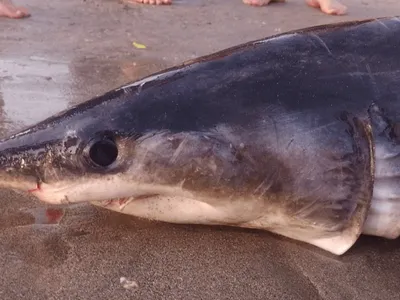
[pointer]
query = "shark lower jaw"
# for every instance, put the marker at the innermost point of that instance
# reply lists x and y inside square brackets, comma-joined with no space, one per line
[174,205]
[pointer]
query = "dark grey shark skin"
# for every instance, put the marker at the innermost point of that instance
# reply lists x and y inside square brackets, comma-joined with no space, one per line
[296,134]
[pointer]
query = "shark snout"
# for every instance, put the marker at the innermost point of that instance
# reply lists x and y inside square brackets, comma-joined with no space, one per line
[19,165]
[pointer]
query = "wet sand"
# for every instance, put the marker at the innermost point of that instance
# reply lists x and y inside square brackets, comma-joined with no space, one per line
[69,51]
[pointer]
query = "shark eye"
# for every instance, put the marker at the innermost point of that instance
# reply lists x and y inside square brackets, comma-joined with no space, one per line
[102,152]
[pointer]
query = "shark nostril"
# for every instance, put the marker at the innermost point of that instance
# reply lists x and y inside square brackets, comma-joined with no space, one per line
[103,152]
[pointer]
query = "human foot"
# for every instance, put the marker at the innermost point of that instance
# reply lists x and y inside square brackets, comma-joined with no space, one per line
[330,7]
[9,10]
[152,2]
[260,2]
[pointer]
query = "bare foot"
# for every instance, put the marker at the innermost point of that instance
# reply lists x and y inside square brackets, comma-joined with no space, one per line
[9,10]
[152,2]
[330,7]
[260,2]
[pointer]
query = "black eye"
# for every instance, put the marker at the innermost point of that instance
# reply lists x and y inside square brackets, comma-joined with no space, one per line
[103,152]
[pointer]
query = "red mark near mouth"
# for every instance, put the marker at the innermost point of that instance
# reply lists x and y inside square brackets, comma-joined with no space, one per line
[36,189]
[54,215]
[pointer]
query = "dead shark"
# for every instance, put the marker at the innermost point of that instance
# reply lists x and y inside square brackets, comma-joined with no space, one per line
[297,134]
